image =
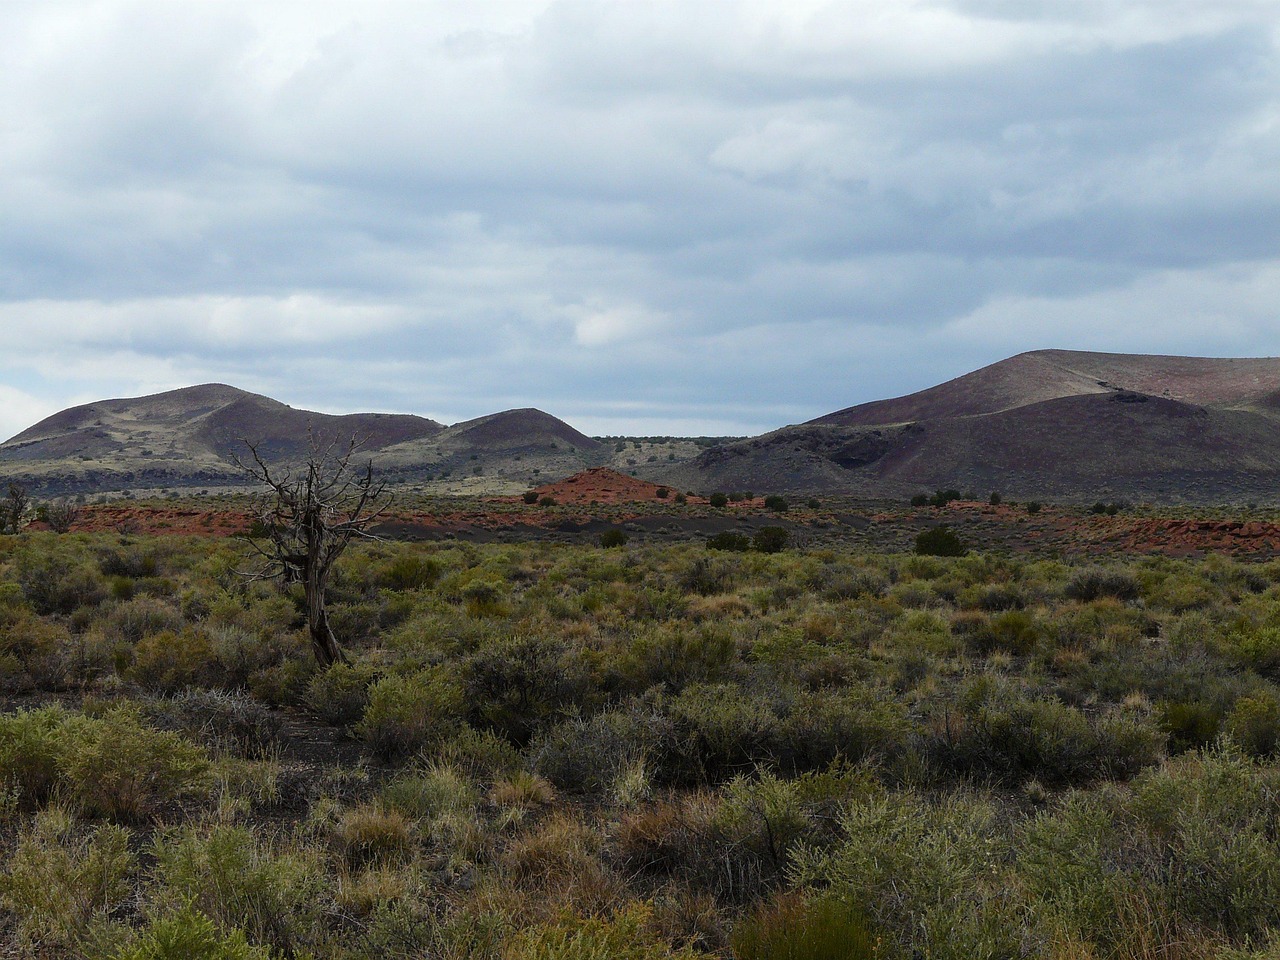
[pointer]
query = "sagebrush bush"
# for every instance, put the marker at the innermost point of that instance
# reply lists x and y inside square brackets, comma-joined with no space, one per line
[1095,583]
[63,879]
[279,899]
[790,928]
[118,767]
[405,714]
[187,934]
[217,718]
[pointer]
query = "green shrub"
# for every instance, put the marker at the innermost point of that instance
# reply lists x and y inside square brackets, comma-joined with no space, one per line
[372,833]
[729,540]
[407,713]
[589,755]
[217,718]
[33,744]
[706,576]
[776,503]
[279,900]
[770,539]
[939,541]
[120,768]
[1033,506]
[432,791]
[1191,724]
[943,497]
[624,936]
[931,876]
[530,497]
[790,928]
[674,656]
[1095,583]
[613,538]
[63,879]
[546,501]
[340,694]
[410,572]
[920,500]
[1254,725]
[187,934]
[168,661]
[52,584]
[517,685]
[718,500]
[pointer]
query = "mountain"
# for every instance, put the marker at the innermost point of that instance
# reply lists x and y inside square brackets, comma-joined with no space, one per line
[1048,424]
[194,437]
[513,446]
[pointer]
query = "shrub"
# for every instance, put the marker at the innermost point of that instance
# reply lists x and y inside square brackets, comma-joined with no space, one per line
[121,769]
[590,754]
[187,934]
[789,928]
[169,661]
[410,572]
[278,899]
[217,718]
[675,657]
[1254,725]
[718,500]
[32,746]
[770,539]
[995,499]
[776,503]
[1095,583]
[729,540]
[547,501]
[613,538]
[530,497]
[432,791]
[406,713]
[53,585]
[930,876]
[662,493]
[372,833]
[624,936]
[1190,724]
[61,879]
[943,497]
[920,500]
[518,685]
[340,694]
[939,541]
[1033,506]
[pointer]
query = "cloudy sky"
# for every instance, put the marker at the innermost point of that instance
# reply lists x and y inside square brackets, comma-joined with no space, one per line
[674,217]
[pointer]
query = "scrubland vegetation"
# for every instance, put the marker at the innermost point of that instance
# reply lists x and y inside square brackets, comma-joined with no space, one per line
[548,751]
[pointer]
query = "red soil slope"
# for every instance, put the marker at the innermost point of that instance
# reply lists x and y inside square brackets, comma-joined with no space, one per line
[602,485]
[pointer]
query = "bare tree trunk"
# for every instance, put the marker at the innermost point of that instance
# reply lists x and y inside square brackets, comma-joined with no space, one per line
[323,642]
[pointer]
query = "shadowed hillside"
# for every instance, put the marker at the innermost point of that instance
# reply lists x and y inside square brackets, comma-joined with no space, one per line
[1053,423]
[193,438]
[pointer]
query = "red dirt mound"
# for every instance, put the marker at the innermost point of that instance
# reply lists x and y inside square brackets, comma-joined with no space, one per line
[602,485]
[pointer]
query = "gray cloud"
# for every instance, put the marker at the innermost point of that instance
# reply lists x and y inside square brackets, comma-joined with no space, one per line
[642,216]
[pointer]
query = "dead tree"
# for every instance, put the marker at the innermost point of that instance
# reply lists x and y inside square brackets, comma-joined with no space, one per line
[307,516]
[61,515]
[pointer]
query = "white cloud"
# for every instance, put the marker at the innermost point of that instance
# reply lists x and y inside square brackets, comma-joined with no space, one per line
[755,206]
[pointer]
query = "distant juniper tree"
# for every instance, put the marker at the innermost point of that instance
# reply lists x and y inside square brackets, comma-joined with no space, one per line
[307,516]
[16,508]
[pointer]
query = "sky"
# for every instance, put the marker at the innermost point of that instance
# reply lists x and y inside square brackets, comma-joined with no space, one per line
[692,217]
